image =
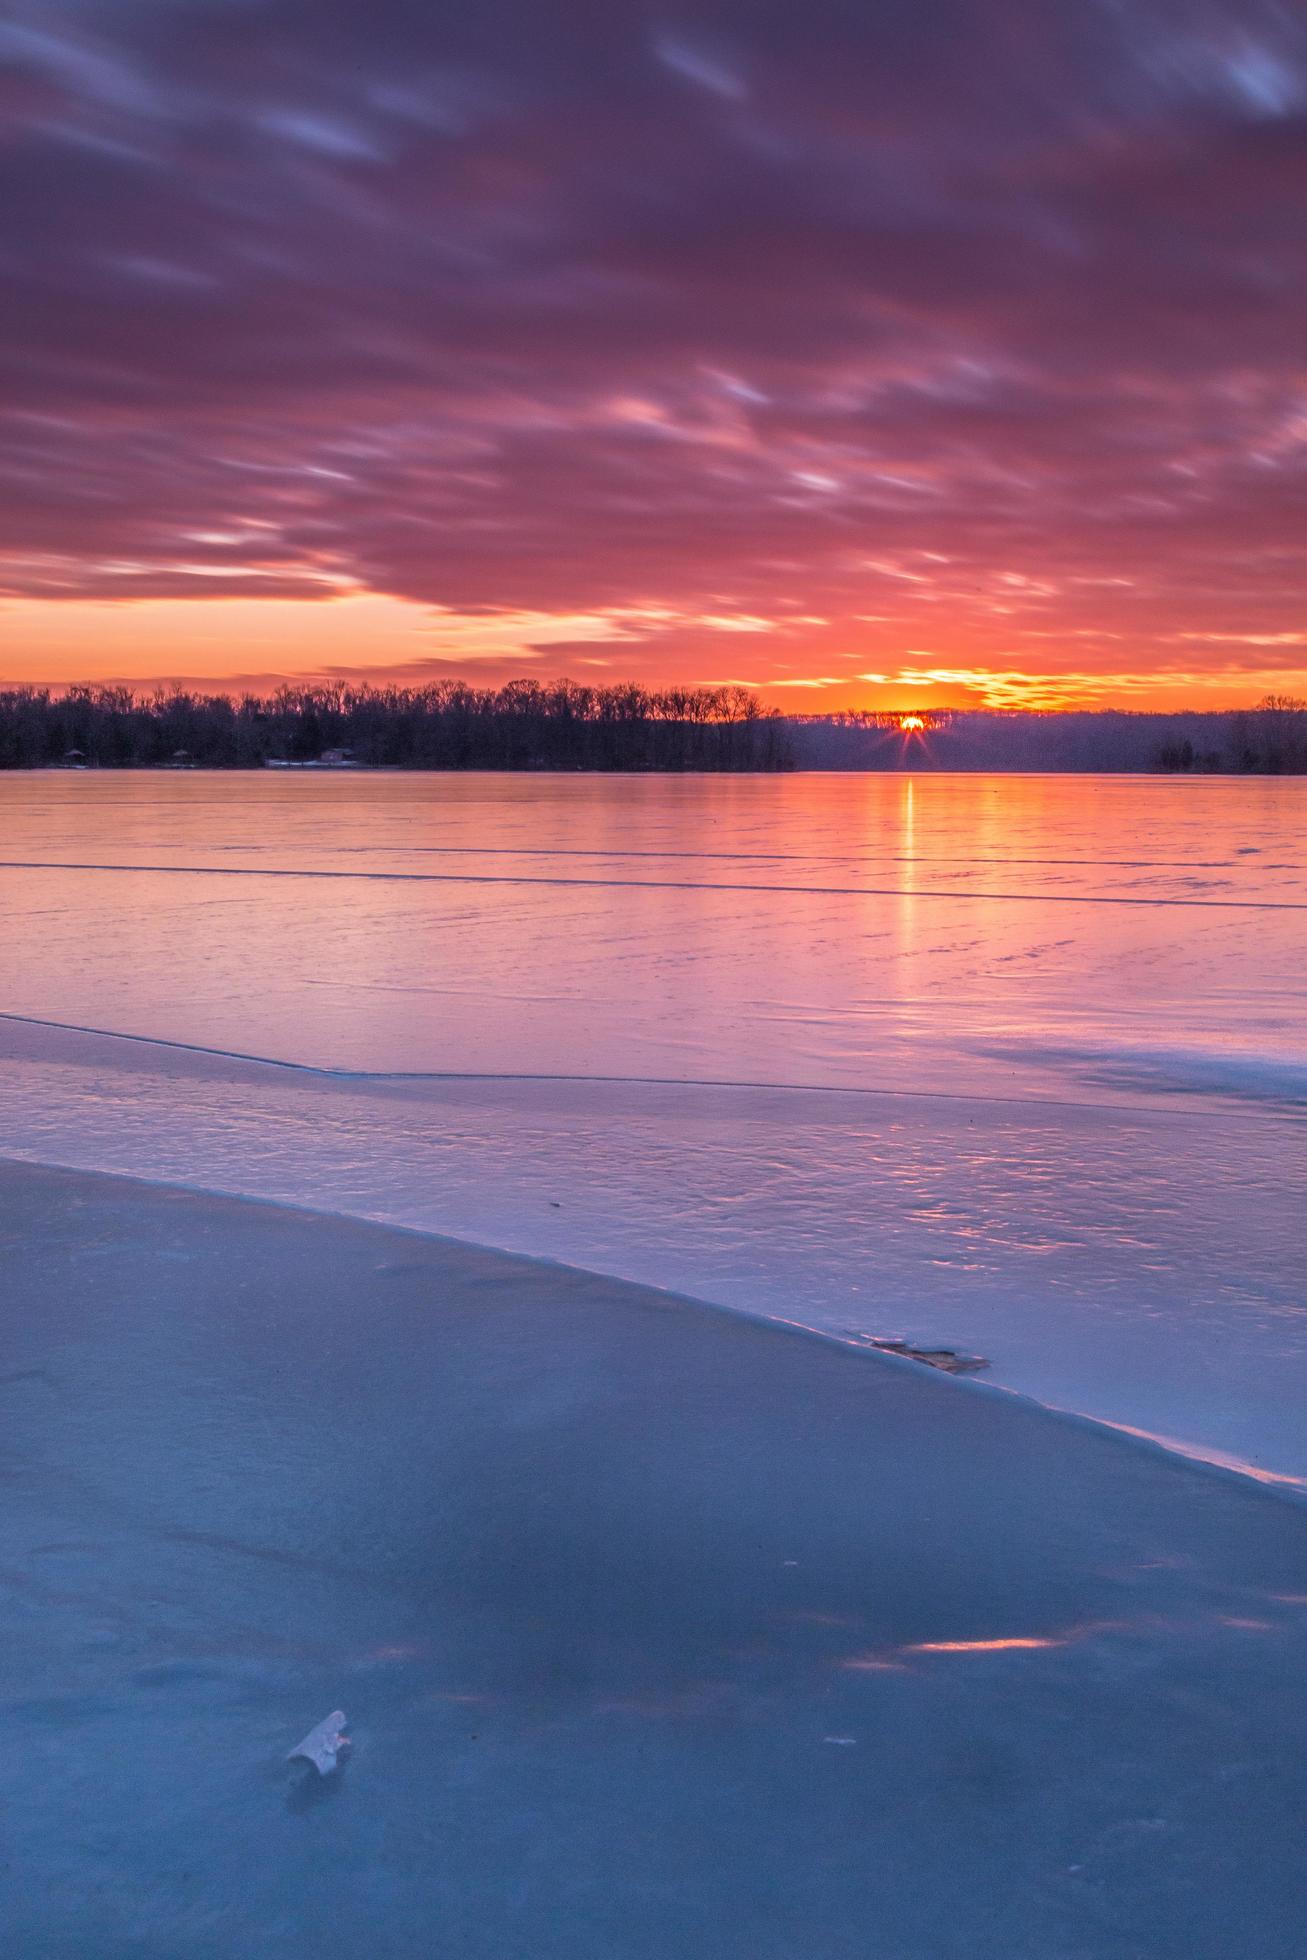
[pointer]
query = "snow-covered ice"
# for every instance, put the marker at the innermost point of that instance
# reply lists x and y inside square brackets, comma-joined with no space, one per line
[663,1632]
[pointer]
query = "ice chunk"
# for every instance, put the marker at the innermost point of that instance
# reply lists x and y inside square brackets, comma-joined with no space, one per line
[322,1746]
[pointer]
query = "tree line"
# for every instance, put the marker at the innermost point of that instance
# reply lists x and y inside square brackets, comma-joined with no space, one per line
[450,725]
[1268,740]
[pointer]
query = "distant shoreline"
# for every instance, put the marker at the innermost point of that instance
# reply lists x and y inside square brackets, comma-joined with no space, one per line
[565,728]
[1270,739]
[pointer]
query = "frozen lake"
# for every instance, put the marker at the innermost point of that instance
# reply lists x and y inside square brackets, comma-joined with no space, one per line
[1016,1063]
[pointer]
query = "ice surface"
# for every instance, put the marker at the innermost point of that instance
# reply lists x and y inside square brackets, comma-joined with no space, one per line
[663,1633]
[1088,1164]
[992,935]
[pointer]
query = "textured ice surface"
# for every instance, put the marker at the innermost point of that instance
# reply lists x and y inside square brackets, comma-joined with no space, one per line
[1085,995]
[1141,1266]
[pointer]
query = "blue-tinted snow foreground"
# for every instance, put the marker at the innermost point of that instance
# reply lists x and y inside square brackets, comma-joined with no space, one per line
[662,1633]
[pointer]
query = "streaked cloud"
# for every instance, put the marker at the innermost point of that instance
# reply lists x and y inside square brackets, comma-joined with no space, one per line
[974,328]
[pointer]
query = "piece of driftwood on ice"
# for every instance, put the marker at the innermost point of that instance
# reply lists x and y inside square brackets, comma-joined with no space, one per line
[322,1746]
[948,1359]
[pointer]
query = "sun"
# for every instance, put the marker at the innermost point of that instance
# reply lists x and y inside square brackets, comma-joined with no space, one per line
[910,723]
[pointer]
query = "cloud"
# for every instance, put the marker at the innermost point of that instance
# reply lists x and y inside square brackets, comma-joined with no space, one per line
[984,319]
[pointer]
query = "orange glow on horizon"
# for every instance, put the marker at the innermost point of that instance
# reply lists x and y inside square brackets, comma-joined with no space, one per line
[235,645]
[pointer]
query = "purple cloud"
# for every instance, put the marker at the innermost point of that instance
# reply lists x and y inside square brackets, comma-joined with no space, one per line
[712,308]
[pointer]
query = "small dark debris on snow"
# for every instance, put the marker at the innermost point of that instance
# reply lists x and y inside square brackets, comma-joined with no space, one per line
[949,1359]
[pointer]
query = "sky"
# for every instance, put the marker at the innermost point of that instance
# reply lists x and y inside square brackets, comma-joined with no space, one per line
[870,352]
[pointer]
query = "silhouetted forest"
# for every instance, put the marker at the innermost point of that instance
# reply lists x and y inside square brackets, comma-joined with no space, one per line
[524,725]
[567,725]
